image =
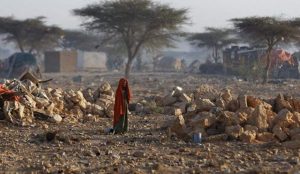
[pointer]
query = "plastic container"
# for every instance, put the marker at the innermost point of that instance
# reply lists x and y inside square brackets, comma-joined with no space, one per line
[197,138]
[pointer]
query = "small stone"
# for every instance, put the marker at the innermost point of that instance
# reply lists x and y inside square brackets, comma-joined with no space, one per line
[56,119]
[138,154]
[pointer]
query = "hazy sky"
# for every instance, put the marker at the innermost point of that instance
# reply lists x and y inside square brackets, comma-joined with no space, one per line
[202,12]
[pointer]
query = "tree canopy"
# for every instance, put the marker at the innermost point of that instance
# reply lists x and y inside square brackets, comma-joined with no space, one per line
[269,31]
[76,39]
[30,34]
[213,38]
[136,23]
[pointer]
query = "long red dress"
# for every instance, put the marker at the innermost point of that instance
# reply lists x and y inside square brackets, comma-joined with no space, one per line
[122,99]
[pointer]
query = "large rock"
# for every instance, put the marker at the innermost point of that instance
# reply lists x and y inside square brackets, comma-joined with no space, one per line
[233,106]
[253,102]
[191,107]
[228,118]
[206,92]
[295,104]
[259,118]
[88,95]
[266,137]
[177,91]
[178,112]
[296,118]
[234,131]
[169,100]
[220,103]
[159,100]
[204,104]
[242,99]
[203,120]
[182,106]
[17,113]
[284,118]
[243,117]
[226,96]
[185,98]
[179,127]
[248,136]
[279,133]
[294,131]
[97,110]
[245,113]
[105,88]
[251,128]
[281,103]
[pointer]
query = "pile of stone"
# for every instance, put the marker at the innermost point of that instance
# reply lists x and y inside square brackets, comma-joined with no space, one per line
[55,105]
[175,103]
[245,118]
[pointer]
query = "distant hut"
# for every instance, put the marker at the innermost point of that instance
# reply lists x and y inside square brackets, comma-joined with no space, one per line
[169,64]
[60,61]
[91,61]
[74,61]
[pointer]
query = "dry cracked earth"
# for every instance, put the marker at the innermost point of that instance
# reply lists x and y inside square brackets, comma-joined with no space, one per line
[85,147]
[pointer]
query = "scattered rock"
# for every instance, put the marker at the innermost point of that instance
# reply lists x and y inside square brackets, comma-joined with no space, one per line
[279,133]
[259,118]
[234,131]
[248,136]
[204,104]
[266,137]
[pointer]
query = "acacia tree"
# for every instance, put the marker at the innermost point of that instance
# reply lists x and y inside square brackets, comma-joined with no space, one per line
[76,39]
[268,31]
[136,23]
[30,34]
[214,39]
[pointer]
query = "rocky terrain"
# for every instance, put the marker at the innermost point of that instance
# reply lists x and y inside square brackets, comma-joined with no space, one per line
[151,146]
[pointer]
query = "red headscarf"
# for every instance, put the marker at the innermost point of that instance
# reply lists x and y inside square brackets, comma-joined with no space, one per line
[119,109]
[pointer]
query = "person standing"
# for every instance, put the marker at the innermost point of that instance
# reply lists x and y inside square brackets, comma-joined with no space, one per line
[122,98]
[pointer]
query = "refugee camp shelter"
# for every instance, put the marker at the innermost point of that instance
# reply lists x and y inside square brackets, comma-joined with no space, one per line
[91,61]
[169,64]
[61,61]
[283,64]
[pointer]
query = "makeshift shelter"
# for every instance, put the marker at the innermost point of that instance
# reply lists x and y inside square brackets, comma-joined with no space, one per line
[283,64]
[16,64]
[61,61]
[91,61]
[169,64]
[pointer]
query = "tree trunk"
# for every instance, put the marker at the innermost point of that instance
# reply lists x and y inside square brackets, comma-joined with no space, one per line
[128,68]
[268,66]
[217,56]
[20,47]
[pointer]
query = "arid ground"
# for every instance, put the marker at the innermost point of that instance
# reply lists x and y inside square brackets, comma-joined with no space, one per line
[85,147]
